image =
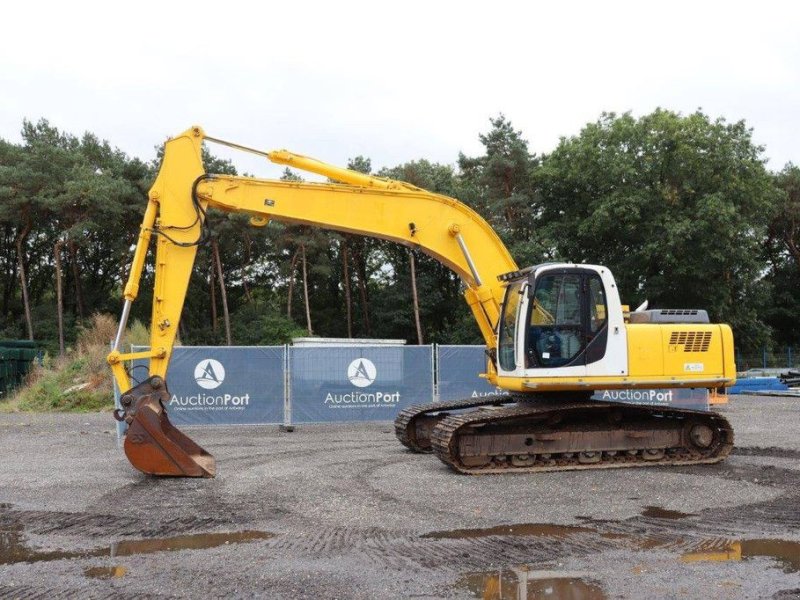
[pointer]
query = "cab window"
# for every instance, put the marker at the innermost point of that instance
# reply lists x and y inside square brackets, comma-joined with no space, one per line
[508,326]
[567,320]
[555,335]
[597,305]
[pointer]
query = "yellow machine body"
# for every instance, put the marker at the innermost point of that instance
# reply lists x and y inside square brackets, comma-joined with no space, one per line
[659,356]
[680,351]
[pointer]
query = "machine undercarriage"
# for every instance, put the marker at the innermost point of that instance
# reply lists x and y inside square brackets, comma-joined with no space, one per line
[530,433]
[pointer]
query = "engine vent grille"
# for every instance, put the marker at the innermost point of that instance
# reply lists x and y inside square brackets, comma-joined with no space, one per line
[692,341]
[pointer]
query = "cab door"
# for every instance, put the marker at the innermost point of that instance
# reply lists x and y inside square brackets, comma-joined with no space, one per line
[508,339]
[567,325]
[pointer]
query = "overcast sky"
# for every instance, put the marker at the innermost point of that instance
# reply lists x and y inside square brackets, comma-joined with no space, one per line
[393,81]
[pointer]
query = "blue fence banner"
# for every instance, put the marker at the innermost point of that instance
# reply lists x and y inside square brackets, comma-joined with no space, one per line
[691,398]
[358,383]
[223,385]
[457,369]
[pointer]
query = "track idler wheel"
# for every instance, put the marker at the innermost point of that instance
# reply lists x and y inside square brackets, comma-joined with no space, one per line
[153,444]
[701,435]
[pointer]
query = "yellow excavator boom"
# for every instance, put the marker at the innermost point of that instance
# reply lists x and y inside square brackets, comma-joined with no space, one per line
[439,226]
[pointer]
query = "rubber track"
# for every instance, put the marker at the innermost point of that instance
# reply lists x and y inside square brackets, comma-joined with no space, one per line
[445,435]
[404,425]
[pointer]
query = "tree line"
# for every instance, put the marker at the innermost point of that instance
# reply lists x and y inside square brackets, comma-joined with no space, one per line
[682,208]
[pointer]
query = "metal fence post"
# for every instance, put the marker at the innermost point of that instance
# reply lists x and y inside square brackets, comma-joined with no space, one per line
[435,370]
[789,361]
[287,391]
[764,357]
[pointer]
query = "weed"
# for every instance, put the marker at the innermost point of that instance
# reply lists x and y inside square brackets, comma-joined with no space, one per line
[81,380]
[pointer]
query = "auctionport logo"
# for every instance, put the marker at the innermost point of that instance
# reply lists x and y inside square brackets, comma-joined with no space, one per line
[362,372]
[639,396]
[209,373]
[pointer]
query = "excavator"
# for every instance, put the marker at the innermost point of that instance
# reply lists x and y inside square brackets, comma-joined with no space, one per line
[555,333]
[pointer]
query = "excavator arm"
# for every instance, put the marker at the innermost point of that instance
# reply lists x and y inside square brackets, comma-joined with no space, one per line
[439,226]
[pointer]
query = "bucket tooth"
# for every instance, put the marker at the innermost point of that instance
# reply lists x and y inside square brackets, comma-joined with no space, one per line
[155,446]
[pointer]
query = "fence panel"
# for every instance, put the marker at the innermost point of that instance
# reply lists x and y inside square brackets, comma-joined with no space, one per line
[777,359]
[223,385]
[16,359]
[457,369]
[358,383]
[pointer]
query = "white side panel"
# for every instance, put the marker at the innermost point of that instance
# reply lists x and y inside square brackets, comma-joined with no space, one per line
[615,361]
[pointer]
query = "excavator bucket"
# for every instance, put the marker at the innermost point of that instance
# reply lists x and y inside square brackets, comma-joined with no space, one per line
[153,444]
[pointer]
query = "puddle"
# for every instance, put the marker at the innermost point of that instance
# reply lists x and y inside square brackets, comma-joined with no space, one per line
[105,572]
[197,541]
[523,584]
[784,552]
[14,550]
[656,512]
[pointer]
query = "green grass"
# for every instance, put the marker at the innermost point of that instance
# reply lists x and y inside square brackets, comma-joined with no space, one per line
[80,381]
[72,384]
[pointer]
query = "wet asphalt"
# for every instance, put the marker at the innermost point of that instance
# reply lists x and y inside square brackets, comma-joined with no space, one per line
[340,511]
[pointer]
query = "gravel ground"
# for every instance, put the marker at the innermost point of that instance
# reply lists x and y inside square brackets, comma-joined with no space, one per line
[346,512]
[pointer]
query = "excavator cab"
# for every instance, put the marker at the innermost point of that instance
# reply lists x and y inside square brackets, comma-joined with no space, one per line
[563,328]
[556,320]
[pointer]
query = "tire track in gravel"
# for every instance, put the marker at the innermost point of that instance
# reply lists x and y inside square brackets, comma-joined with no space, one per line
[364,480]
[89,592]
[769,451]
[779,515]
[330,541]
[710,529]
[93,525]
